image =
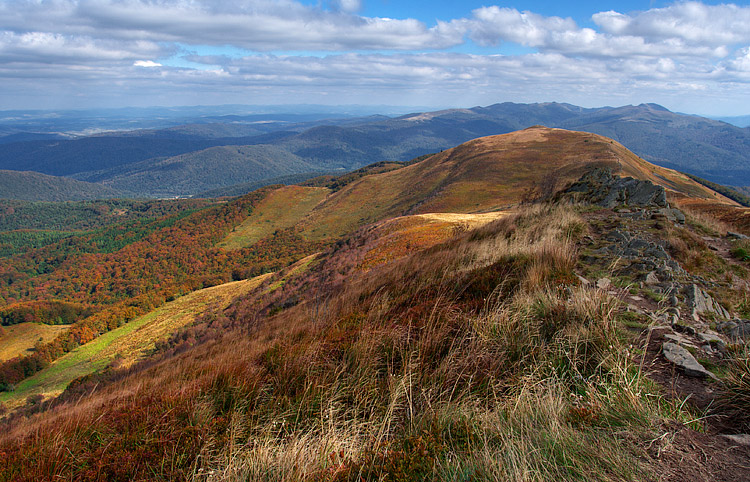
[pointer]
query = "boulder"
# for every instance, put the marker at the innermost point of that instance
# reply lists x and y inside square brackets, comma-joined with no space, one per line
[674,215]
[684,360]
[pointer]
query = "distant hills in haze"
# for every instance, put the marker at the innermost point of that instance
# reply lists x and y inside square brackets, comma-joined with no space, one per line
[232,149]
[33,186]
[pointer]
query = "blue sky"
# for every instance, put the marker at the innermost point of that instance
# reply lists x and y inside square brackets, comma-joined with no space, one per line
[688,56]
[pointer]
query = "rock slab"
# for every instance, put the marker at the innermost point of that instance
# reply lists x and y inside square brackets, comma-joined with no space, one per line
[684,360]
[701,302]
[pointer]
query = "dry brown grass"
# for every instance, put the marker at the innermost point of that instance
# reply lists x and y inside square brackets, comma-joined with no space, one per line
[453,363]
[20,339]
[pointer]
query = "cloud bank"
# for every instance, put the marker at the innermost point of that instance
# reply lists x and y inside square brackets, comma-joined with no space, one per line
[175,51]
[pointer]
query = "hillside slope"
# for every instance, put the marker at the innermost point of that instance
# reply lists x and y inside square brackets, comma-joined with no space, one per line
[33,186]
[200,171]
[487,174]
[708,148]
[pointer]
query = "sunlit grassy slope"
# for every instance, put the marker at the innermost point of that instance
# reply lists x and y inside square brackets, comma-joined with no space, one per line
[19,339]
[281,209]
[401,236]
[131,341]
[485,174]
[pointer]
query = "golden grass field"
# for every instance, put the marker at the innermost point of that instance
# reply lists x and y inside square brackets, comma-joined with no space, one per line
[20,339]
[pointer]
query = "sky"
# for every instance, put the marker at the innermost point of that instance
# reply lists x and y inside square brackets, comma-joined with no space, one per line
[691,57]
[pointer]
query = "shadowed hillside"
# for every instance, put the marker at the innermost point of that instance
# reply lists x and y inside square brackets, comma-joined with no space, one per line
[33,186]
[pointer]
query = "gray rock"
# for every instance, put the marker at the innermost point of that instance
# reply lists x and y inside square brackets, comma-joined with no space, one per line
[638,244]
[603,283]
[681,340]
[684,360]
[618,236]
[656,251]
[674,215]
[635,215]
[739,439]
[733,235]
[599,186]
[651,279]
[735,329]
[701,302]
[712,338]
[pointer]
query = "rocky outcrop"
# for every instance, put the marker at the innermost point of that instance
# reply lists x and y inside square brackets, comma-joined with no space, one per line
[599,186]
[701,302]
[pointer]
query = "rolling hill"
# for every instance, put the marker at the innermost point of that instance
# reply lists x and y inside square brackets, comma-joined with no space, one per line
[33,186]
[200,171]
[486,174]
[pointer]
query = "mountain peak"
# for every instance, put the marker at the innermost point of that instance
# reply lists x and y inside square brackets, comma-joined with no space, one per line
[652,106]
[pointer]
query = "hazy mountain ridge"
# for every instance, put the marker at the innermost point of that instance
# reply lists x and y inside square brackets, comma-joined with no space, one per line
[199,171]
[33,186]
[711,149]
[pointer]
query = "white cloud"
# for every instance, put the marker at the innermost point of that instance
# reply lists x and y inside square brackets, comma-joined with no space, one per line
[492,25]
[46,47]
[146,63]
[262,25]
[691,22]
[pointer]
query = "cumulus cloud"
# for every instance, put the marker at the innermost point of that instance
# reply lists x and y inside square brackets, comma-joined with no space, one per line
[262,25]
[492,25]
[133,45]
[691,22]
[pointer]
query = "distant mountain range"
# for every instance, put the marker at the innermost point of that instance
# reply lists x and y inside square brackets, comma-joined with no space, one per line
[193,158]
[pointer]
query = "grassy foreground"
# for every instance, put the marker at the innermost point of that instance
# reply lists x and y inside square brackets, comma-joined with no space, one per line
[480,358]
